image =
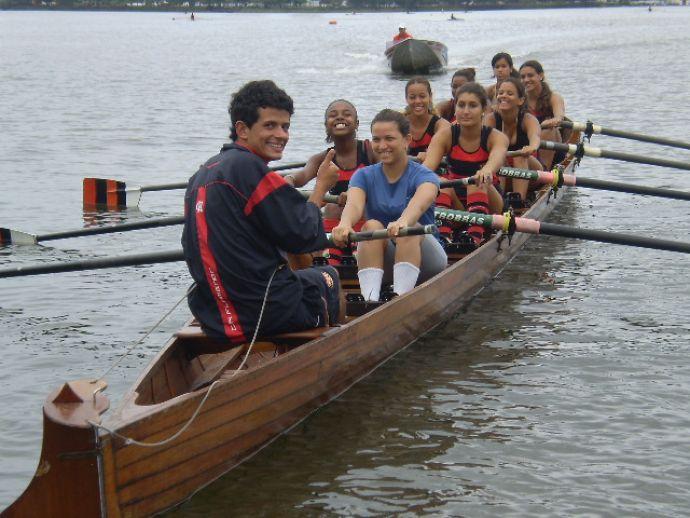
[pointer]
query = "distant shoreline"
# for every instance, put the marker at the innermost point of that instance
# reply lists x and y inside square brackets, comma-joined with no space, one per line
[322,10]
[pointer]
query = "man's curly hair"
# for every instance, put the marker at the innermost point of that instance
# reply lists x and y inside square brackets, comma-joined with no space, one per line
[245,103]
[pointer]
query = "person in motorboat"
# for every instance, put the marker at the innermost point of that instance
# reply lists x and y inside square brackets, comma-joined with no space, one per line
[395,193]
[402,34]
[240,219]
[510,117]
[348,154]
[471,149]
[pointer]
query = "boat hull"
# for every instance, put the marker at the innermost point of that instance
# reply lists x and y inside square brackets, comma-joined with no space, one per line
[246,410]
[414,56]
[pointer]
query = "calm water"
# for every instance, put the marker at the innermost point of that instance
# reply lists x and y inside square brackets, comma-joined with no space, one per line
[562,389]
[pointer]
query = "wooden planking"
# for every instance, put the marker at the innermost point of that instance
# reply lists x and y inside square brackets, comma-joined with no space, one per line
[178,383]
[173,494]
[161,391]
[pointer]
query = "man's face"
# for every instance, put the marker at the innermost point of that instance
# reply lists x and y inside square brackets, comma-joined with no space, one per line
[268,136]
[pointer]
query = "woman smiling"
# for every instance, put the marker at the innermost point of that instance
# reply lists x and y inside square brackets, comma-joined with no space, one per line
[395,193]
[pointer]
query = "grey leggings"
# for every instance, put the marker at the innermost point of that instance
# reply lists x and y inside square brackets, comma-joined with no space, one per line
[434,259]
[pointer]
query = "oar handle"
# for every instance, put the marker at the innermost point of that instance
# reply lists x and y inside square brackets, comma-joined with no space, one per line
[371,235]
[458,182]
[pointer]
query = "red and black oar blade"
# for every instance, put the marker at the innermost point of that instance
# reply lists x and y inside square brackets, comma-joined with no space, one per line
[106,194]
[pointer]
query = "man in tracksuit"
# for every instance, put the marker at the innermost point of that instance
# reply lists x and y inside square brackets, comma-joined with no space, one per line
[240,219]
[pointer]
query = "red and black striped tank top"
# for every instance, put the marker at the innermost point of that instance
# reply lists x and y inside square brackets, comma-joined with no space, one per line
[344,175]
[421,145]
[461,163]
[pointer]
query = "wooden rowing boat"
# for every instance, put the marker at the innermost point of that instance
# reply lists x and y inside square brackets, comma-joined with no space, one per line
[413,56]
[88,470]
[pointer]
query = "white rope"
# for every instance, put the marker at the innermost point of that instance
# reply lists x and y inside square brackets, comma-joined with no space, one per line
[139,342]
[129,440]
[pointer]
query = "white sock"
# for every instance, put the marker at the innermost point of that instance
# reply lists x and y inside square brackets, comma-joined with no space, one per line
[404,277]
[370,283]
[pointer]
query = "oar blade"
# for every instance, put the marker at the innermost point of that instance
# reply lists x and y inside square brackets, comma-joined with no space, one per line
[107,194]
[16,237]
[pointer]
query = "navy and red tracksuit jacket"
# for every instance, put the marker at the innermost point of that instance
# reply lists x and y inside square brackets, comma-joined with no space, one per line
[238,219]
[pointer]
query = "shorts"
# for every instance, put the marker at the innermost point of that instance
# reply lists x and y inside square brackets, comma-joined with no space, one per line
[320,295]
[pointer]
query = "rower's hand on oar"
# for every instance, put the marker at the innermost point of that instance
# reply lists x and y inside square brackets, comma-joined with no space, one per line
[484,177]
[528,151]
[342,199]
[421,157]
[341,235]
[395,226]
[327,174]
[551,123]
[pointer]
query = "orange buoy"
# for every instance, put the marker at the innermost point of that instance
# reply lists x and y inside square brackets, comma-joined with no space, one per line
[333,22]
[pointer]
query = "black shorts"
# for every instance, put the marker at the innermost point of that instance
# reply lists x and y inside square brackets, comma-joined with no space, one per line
[320,293]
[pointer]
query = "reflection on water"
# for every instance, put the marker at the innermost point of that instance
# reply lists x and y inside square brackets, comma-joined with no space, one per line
[562,389]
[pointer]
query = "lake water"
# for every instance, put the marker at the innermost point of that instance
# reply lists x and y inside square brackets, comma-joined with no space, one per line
[562,389]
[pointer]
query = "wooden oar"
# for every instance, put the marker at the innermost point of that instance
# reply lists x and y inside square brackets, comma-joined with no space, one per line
[17,237]
[557,179]
[10,236]
[589,128]
[531,226]
[169,256]
[584,150]
[101,193]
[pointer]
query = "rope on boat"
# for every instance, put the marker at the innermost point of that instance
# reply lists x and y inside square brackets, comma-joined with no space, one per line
[146,335]
[129,440]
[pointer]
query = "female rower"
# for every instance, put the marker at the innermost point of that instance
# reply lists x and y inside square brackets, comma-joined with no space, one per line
[395,193]
[349,155]
[502,65]
[522,129]
[446,109]
[471,149]
[424,123]
[547,106]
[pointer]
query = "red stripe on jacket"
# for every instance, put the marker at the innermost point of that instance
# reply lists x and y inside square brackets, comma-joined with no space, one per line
[267,185]
[231,322]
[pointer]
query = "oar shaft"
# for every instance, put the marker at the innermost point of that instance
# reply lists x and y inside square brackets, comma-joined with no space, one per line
[548,177]
[94,264]
[615,155]
[532,226]
[600,130]
[614,238]
[170,256]
[164,187]
[122,227]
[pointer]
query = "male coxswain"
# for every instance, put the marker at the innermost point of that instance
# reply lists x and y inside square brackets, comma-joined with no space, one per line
[240,218]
